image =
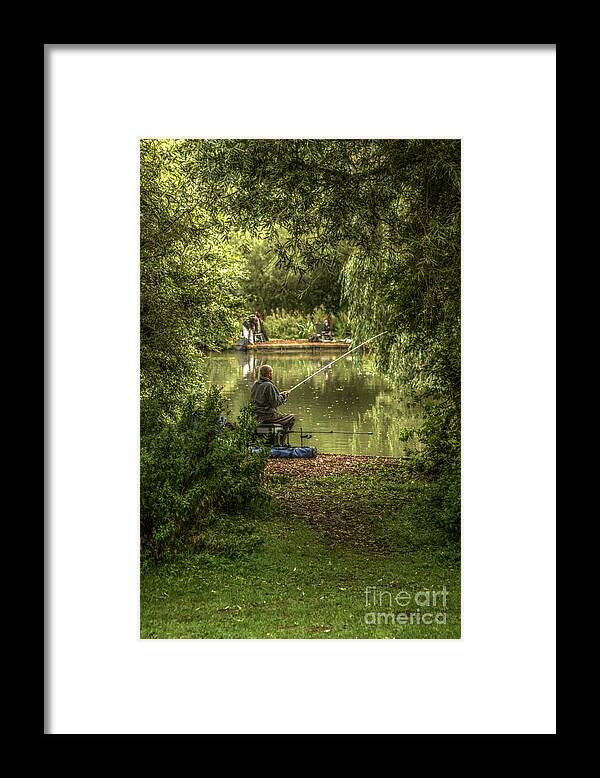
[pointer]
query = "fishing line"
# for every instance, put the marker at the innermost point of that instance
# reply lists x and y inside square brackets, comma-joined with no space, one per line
[345,354]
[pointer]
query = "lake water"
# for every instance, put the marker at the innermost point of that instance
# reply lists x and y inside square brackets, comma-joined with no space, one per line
[349,397]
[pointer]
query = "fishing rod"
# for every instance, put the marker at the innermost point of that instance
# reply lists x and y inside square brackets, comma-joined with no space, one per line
[345,354]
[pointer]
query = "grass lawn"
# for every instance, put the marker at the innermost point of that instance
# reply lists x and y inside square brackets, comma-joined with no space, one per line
[346,550]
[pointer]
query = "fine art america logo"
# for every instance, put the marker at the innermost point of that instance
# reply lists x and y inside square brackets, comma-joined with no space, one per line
[402,607]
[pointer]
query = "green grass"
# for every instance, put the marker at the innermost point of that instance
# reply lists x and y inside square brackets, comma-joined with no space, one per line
[324,541]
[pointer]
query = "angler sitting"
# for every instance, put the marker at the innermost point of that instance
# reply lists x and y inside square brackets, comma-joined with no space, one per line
[266,398]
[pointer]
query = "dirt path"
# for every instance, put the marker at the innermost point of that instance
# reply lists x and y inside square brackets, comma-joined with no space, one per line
[325,464]
[342,516]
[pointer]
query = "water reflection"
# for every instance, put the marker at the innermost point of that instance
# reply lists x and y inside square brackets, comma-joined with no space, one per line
[347,397]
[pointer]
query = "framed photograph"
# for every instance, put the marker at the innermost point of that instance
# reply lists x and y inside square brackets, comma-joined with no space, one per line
[300,351]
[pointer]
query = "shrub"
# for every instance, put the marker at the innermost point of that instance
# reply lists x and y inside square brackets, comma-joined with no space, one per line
[192,471]
[439,462]
[445,499]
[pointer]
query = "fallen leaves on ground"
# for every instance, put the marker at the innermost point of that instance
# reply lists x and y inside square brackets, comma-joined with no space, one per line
[337,517]
[325,464]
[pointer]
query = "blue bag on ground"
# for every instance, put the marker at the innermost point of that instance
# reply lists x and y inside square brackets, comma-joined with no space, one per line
[294,452]
[290,452]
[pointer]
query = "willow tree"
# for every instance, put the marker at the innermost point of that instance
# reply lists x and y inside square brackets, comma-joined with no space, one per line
[270,286]
[394,205]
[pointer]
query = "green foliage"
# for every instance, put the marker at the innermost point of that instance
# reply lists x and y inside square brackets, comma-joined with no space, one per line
[192,473]
[269,285]
[439,461]
[295,324]
[440,432]
[189,283]
[445,499]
